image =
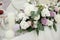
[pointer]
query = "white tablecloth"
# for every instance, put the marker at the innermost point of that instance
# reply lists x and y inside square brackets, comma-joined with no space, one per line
[48,34]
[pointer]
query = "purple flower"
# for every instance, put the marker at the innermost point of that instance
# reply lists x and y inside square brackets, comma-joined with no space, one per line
[44,21]
[16,27]
[52,14]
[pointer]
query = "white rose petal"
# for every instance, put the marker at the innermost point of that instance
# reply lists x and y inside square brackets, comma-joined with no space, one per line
[48,13]
[57,18]
[25,17]
[35,24]
[49,22]
[17,18]
[24,25]
[29,22]
[37,17]
[45,12]
[20,15]
[29,8]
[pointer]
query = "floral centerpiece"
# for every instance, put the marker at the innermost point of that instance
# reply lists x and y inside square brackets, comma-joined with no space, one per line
[36,17]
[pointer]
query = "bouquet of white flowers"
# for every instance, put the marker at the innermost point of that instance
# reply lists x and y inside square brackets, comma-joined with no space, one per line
[35,17]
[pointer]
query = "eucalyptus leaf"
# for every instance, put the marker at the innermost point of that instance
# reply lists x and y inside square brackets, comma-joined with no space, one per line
[50,27]
[37,31]
[54,26]
[20,30]
[39,26]
[32,14]
[29,29]
[59,11]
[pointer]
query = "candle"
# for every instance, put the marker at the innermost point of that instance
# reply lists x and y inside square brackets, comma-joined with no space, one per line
[11,20]
[9,34]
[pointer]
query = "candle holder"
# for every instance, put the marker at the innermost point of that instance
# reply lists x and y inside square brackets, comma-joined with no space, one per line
[1,12]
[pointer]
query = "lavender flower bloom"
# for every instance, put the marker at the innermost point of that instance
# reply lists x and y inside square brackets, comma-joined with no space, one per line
[52,14]
[16,27]
[44,21]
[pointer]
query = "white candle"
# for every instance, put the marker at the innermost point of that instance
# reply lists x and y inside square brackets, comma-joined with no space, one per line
[9,34]
[11,20]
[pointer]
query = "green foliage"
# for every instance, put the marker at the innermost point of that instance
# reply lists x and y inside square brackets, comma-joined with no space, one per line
[54,26]
[40,8]
[59,11]
[50,27]
[21,30]
[39,27]
[29,29]
[33,14]
[51,8]
[37,31]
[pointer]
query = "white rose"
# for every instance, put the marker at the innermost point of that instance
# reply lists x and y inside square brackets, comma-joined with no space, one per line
[57,18]
[20,15]
[45,12]
[49,22]
[24,25]
[25,17]
[37,17]
[29,22]
[29,8]
[17,18]
[35,24]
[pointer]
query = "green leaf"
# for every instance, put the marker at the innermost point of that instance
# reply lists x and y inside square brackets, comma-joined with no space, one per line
[54,26]
[40,8]
[59,11]
[39,11]
[20,30]
[51,8]
[37,31]
[32,14]
[40,27]
[50,27]
[29,29]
